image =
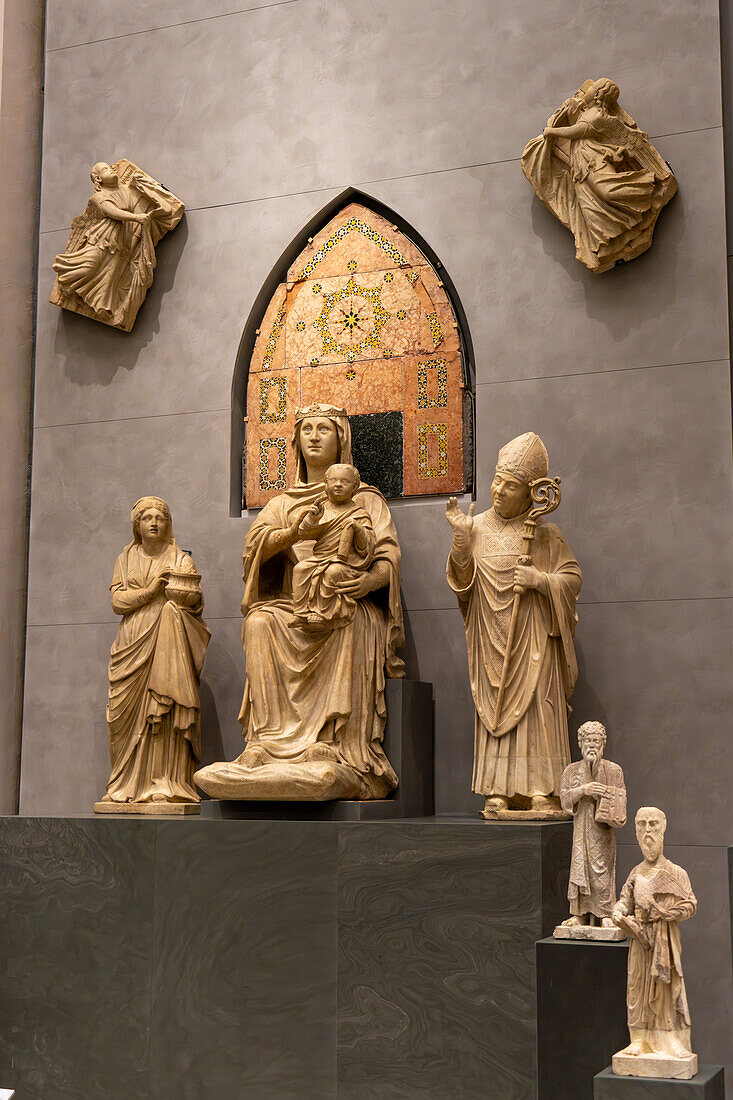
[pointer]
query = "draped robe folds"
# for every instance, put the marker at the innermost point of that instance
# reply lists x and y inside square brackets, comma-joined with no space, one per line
[153,711]
[313,581]
[656,997]
[592,887]
[110,266]
[527,753]
[304,689]
[611,192]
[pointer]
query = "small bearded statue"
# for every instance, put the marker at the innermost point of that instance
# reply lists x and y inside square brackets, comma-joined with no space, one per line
[656,896]
[593,791]
[522,664]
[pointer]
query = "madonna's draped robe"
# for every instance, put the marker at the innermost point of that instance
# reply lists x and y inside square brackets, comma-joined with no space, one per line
[155,663]
[527,753]
[304,689]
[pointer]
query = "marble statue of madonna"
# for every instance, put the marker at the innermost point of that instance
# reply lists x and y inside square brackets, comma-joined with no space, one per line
[153,712]
[314,709]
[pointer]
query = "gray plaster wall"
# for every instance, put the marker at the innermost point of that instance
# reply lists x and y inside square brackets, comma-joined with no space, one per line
[257,119]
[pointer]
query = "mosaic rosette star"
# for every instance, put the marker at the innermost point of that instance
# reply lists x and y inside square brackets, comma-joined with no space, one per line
[351,320]
[357,321]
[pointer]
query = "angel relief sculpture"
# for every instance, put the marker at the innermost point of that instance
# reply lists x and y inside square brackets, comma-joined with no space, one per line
[108,264]
[600,175]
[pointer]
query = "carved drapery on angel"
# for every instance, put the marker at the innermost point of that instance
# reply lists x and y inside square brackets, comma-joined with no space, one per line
[108,264]
[600,175]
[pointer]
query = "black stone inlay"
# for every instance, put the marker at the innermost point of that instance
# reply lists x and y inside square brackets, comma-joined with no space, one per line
[376,441]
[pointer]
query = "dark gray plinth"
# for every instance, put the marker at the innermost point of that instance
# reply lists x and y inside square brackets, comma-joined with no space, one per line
[581,1013]
[436,956]
[707,1084]
[267,959]
[408,743]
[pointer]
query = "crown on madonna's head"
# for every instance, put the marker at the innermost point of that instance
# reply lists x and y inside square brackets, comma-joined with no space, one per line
[524,457]
[318,410]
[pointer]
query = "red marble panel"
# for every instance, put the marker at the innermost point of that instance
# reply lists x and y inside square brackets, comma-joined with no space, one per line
[358,387]
[433,425]
[269,349]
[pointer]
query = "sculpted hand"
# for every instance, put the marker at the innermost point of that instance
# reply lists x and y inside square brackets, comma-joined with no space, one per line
[462,524]
[526,576]
[357,588]
[595,790]
[308,526]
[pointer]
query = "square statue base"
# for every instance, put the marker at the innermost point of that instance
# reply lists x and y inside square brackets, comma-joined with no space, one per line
[655,1065]
[707,1084]
[153,809]
[408,745]
[588,932]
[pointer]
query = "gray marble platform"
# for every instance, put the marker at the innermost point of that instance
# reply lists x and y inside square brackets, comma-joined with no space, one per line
[707,1084]
[268,959]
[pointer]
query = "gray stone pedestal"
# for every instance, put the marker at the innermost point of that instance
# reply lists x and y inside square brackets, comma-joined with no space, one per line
[581,1013]
[312,960]
[707,1084]
[408,744]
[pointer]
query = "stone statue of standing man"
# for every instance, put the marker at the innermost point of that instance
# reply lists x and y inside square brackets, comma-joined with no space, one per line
[593,791]
[656,896]
[521,660]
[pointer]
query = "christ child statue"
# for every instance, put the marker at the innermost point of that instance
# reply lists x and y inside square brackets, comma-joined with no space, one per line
[344,549]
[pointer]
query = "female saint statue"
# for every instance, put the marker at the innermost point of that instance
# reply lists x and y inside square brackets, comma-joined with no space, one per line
[108,264]
[600,175]
[153,711]
[313,711]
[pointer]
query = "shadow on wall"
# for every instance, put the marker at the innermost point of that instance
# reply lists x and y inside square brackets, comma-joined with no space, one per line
[613,298]
[96,362]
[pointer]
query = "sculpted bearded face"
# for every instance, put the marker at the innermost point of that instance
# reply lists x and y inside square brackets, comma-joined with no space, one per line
[592,741]
[319,441]
[509,495]
[650,825]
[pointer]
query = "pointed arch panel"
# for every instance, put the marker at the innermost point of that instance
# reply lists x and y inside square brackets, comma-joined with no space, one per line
[362,319]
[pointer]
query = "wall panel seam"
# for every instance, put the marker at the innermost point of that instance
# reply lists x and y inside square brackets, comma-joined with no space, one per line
[605,370]
[408,611]
[383,179]
[168,26]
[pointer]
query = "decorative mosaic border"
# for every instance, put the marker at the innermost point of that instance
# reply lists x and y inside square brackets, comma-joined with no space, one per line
[423,469]
[266,483]
[343,231]
[441,401]
[435,330]
[274,337]
[267,384]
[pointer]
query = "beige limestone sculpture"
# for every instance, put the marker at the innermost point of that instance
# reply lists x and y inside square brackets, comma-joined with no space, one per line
[656,896]
[600,175]
[314,711]
[344,548]
[593,791]
[153,713]
[108,264]
[517,584]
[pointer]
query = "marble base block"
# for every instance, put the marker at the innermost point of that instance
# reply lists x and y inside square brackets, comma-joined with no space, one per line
[587,932]
[707,1084]
[581,1013]
[408,745]
[153,809]
[654,1065]
[525,815]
